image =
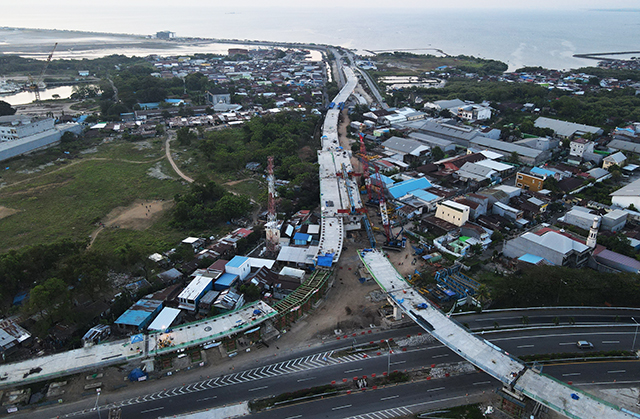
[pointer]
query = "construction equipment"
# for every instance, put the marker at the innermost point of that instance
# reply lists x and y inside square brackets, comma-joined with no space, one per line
[365,166]
[391,242]
[34,85]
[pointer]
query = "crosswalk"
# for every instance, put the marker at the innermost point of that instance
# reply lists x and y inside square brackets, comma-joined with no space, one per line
[306,363]
[385,414]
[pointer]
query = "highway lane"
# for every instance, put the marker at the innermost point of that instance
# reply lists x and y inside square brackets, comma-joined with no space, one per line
[413,358]
[547,316]
[400,399]
[517,342]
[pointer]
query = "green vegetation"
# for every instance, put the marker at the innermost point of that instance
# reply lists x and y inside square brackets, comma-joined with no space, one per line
[602,108]
[207,204]
[67,203]
[6,109]
[599,191]
[406,63]
[552,285]
[14,64]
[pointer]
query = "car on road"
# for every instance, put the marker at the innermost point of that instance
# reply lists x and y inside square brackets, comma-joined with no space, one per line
[583,344]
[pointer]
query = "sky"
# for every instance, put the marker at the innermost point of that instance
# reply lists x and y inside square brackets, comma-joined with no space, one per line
[79,6]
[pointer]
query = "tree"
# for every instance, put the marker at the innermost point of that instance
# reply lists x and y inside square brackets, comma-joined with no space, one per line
[437,153]
[514,157]
[185,136]
[6,109]
[47,297]
[251,292]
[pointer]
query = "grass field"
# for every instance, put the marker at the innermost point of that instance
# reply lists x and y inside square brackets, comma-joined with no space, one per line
[67,202]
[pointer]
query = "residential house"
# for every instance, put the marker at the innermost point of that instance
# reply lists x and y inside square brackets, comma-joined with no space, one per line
[189,297]
[530,181]
[139,315]
[615,159]
[453,212]
[579,146]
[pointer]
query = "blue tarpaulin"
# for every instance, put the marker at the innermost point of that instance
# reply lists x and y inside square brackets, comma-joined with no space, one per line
[326,260]
[136,374]
[137,338]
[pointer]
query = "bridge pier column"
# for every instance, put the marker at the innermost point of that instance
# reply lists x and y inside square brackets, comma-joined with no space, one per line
[397,313]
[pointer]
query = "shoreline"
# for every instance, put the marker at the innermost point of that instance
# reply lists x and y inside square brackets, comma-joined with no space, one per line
[36,43]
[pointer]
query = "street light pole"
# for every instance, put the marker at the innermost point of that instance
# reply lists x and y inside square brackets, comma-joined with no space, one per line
[97,405]
[635,335]
[388,358]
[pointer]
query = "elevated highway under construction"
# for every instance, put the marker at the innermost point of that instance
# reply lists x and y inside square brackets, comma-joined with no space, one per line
[340,201]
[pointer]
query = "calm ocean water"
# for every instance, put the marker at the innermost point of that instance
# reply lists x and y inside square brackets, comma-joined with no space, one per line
[545,38]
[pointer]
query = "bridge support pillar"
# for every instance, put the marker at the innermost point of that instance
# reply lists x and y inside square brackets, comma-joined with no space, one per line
[397,313]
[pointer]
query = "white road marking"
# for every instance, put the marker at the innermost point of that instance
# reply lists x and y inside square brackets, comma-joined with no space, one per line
[610,341]
[151,410]
[207,398]
[341,407]
[435,389]
[439,356]
[399,362]
[571,374]
[566,343]
[389,398]
[616,372]
[525,346]
[481,382]
[305,379]
[294,417]
[258,388]
[357,369]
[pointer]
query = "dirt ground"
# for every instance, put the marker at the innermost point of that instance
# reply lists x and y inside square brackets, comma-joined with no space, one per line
[138,216]
[55,108]
[5,212]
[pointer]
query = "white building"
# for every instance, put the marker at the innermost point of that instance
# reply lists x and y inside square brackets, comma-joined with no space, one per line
[240,266]
[579,146]
[15,127]
[453,212]
[629,195]
[474,112]
[190,296]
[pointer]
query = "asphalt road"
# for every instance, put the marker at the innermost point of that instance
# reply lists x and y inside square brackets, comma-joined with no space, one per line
[310,370]
[531,341]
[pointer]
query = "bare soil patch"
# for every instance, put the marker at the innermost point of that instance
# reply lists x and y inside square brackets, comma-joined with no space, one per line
[5,212]
[138,216]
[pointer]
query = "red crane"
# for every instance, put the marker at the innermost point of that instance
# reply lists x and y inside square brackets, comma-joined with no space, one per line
[365,166]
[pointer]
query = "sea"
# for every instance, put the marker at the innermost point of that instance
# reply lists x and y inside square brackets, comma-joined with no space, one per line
[547,38]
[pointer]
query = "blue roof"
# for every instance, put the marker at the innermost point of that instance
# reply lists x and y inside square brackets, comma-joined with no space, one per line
[237,261]
[529,258]
[226,279]
[424,195]
[303,237]
[139,313]
[403,188]
[541,171]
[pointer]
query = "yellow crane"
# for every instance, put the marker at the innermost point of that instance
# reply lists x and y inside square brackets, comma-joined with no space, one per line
[34,85]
